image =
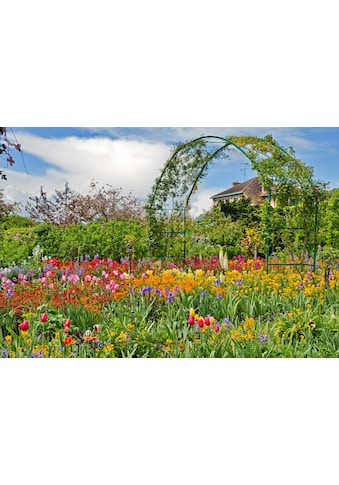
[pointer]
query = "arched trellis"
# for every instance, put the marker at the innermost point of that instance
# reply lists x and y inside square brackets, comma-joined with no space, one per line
[188,165]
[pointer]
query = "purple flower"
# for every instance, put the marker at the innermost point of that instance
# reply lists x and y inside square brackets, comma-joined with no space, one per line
[4,353]
[227,321]
[238,282]
[300,286]
[146,289]
[263,338]
[37,356]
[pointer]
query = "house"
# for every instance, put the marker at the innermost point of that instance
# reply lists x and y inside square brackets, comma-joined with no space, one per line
[251,188]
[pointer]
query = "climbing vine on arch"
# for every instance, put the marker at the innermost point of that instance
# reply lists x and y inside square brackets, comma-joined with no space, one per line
[168,202]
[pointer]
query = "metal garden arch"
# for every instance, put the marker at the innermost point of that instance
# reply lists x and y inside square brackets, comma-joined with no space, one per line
[188,165]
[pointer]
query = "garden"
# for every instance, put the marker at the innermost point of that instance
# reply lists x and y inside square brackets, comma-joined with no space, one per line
[101,276]
[149,308]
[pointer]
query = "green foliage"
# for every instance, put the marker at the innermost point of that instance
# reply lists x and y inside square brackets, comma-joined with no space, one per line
[252,243]
[241,211]
[16,221]
[220,230]
[16,244]
[110,239]
[329,234]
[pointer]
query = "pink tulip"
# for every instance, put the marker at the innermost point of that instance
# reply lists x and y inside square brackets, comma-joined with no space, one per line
[44,317]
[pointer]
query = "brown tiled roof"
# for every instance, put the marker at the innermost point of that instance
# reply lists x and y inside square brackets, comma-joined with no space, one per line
[250,188]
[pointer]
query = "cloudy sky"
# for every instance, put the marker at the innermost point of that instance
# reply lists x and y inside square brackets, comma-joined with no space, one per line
[131,158]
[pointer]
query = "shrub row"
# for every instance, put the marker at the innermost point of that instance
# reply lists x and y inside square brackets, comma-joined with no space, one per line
[108,239]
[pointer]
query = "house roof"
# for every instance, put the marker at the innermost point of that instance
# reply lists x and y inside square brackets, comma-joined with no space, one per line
[250,188]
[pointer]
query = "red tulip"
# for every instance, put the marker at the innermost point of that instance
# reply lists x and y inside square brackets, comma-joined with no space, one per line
[201,322]
[216,328]
[207,321]
[24,325]
[67,322]
[190,320]
[44,317]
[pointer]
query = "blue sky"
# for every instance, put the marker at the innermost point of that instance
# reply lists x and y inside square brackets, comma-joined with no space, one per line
[131,158]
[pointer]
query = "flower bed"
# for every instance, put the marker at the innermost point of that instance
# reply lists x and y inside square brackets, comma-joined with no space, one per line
[105,308]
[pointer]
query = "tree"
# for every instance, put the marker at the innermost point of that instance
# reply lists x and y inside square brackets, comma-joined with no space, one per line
[67,207]
[107,203]
[7,208]
[58,209]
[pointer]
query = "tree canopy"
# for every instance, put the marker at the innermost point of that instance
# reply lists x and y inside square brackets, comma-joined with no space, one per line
[67,206]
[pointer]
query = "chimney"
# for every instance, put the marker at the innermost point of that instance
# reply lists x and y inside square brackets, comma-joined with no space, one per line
[235,183]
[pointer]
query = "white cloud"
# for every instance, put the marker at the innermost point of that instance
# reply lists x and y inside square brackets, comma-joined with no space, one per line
[300,143]
[129,164]
[201,201]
